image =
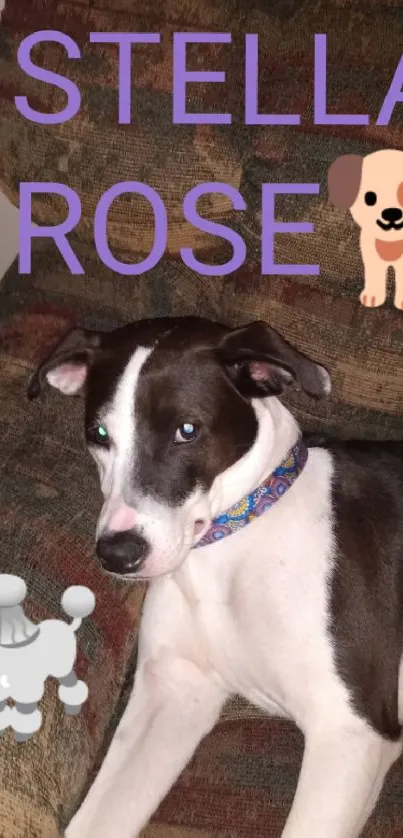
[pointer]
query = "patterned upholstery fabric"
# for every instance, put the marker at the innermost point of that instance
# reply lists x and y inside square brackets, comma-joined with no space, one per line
[242,779]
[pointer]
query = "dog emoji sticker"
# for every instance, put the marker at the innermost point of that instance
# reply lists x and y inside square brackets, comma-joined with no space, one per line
[371,187]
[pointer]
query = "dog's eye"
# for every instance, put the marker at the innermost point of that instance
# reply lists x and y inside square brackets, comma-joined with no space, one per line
[370,198]
[98,435]
[185,433]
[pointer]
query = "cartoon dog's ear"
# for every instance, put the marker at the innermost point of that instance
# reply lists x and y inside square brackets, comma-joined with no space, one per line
[343,180]
[67,366]
[261,363]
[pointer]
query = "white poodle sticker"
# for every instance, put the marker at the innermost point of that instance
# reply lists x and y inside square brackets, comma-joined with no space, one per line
[371,188]
[30,653]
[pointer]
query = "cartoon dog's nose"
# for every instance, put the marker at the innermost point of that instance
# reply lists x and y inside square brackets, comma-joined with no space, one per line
[122,552]
[392,214]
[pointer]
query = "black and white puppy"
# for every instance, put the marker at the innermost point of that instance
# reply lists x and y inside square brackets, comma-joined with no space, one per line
[300,611]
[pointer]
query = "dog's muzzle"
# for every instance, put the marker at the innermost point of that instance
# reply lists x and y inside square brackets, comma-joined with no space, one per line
[390,219]
[122,552]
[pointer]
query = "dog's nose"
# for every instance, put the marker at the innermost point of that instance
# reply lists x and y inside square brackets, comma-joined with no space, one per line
[392,214]
[122,552]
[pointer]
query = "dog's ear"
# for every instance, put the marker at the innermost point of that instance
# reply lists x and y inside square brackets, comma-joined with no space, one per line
[261,363]
[344,179]
[67,366]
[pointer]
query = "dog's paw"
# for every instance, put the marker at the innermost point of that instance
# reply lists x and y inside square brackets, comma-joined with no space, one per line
[372,300]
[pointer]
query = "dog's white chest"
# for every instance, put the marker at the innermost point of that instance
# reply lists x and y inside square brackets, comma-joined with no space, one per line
[259,604]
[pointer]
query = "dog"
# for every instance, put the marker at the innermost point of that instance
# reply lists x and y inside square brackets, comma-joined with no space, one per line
[371,187]
[274,562]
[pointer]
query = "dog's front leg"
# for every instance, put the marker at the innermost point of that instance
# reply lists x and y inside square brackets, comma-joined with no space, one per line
[342,774]
[375,273]
[173,706]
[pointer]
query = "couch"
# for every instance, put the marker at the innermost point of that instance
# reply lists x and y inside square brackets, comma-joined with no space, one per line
[242,779]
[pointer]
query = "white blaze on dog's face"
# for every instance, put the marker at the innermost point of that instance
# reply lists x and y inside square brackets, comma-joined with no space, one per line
[371,187]
[174,423]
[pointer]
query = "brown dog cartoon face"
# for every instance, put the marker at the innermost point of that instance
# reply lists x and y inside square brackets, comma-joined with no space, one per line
[371,188]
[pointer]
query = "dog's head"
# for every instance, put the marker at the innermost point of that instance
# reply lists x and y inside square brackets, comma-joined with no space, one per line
[371,188]
[173,406]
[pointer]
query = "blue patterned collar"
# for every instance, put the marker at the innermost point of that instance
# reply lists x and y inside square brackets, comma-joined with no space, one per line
[259,501]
